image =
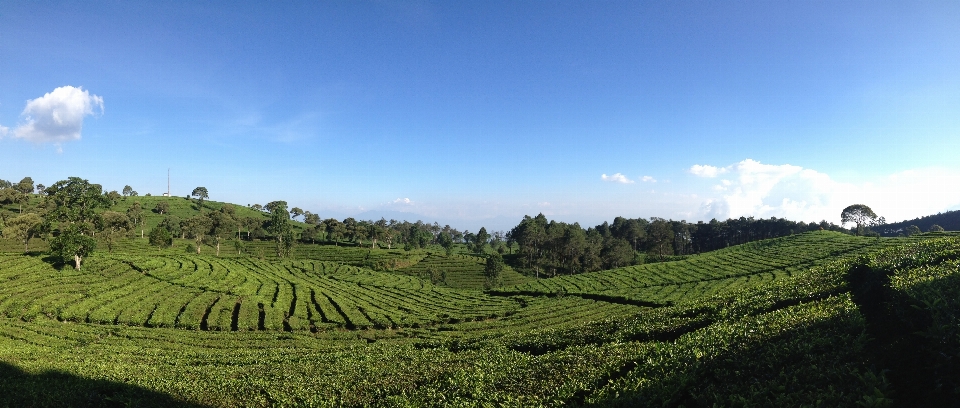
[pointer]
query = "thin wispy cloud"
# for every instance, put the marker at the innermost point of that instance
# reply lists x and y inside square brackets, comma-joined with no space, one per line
[616,178]
[648,179]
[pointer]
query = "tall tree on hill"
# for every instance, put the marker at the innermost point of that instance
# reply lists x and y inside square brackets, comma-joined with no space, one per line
[25,186]
[135,213]
[280,227]
[113,225]
[11,195]
[202,194]
[127,190]
[222,225]
[661,237]
[446,242]
[161,237]
[73,205]
[162,207]
[859,214]
[374,232]
[493,271]
[197,227]
[481,240]
[23,228]
[172,224]
[296,212]
[334,230]
[311,218]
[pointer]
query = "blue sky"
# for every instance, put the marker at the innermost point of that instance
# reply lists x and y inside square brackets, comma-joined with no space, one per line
[476,113]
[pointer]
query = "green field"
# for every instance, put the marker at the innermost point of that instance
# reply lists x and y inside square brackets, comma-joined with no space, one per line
[803,320]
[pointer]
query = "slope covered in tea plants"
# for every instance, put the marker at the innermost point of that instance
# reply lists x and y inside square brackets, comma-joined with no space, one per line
[237,331]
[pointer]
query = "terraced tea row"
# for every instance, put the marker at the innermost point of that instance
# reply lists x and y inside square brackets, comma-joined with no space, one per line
[556,351]
[197,292]
[459,271]
[703,275]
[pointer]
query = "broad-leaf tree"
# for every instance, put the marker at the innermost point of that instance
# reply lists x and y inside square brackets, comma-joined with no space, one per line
[197,227]
[25,186]
[23,228]
[74,241]
[162,207]
[493,272]
[296,212]
[137,218]
[161,237]
[113,225]
[280,227]
[222,225]
[481,240]
[73,204]
[859,214]
[127,190]
[202,194]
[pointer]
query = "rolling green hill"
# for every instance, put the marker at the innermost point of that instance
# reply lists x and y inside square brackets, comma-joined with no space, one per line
[816,319]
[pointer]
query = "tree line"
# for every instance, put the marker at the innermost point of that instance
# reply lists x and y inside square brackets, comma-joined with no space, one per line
[556,248]
[74,212]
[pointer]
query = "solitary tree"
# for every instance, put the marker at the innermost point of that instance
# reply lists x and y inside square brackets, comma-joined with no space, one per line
[197,227]
[160,237]
[280,227]
[481,240]
[23,227]
[935,228]
[135,213]
[74,202]
[202,194]
[296,212]
[859,214]
[912,230]
[127,190]
[162,207]
[25,186]
[113,225]
[493,272]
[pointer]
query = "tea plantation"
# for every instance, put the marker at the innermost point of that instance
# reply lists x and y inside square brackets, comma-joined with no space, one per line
[819,319]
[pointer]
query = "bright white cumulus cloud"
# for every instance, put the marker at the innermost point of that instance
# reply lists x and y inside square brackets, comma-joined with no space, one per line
[707,170]
[616,178]
[57,116]
[796,193]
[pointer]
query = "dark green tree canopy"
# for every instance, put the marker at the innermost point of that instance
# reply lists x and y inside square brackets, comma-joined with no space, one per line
[859,214]
[202,194]
[75,200]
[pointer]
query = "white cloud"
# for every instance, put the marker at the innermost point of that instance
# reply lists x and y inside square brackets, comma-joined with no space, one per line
[617,178]
[4,130]
[648,179]
[57,116]
[707,170]
[402,201]
[800,194]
